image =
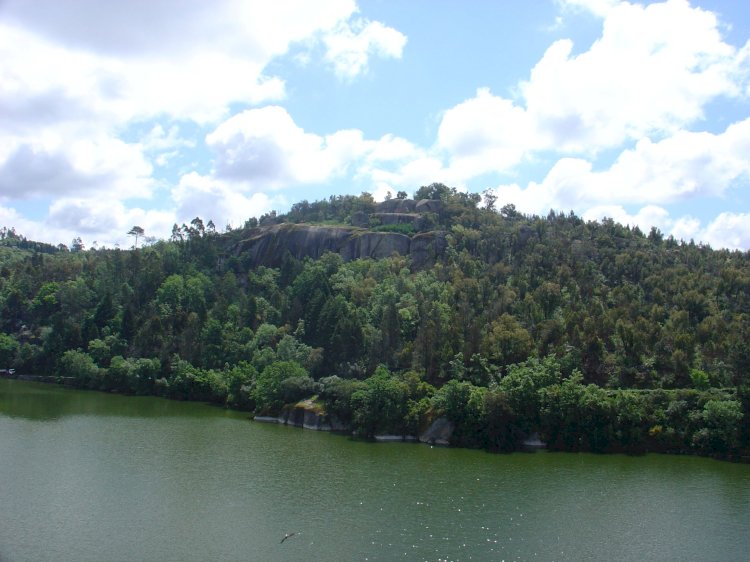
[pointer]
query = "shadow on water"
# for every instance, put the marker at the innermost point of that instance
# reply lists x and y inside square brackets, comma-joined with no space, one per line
[47,402]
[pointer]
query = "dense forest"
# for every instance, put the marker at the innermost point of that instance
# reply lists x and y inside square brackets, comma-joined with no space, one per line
[594,335]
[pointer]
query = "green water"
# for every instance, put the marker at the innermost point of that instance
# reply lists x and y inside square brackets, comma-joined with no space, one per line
[91,476]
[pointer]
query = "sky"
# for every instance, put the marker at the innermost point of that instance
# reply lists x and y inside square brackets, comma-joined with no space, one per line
[154,112]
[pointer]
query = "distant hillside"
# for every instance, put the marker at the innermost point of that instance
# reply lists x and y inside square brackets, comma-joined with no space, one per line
[592,334]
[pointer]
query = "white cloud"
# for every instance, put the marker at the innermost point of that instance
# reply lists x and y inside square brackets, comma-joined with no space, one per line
[685,228]
[350,45]
[222,202]
[186,59]
[103,219]
[649,75]
[265,148]
[645,218]
[651,72]
[684,166]
[485,133]
[158,139]
[729,230]
[597,7]
[77,74]
[53,166]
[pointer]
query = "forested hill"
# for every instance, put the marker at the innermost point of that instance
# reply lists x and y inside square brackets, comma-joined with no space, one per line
[595,335]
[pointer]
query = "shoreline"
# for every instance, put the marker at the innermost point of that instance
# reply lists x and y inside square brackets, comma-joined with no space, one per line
[438,434]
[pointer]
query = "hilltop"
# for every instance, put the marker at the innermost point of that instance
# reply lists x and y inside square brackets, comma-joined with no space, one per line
[388,316]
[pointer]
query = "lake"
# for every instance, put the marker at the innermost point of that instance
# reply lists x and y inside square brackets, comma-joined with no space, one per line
[94,476]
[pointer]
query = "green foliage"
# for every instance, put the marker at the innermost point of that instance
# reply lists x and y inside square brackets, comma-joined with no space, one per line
[591,333]
[380,406]
[9,349]
[268,393]
[720,421]
[81,367]
[405,228]
[699,379]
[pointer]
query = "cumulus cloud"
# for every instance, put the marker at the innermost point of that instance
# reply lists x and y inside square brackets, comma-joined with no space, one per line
[78,77]
[187,59]
[729,230]
[485,133]
[211,199]
[645,218]
[266,148]
[685,165]
[597,7]
[52,167]
[350,45]
[645,77]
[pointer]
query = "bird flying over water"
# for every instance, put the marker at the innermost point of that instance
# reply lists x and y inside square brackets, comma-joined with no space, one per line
[287,536]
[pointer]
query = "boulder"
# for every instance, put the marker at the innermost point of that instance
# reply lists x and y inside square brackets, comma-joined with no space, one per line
[439,432]
[427,247]
[375,245]
[429,206]
[396,206]
[360,219]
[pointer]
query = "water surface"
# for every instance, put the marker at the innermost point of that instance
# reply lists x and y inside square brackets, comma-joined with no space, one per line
[93,476]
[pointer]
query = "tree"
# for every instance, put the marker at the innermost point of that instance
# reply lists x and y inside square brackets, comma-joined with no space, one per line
[8,350]
[490,198]
[269,391]
[506,341]
[136,231]
[381,405]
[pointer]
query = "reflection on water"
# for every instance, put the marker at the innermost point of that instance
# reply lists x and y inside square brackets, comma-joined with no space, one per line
[91,476]
[37,401]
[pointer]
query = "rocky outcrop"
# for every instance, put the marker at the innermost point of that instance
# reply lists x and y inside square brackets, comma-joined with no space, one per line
[427,247]
[397,218]
[267,245]
[396,206]
[428,206]
[360,219]
[375,245]
[305,414]
[439,432]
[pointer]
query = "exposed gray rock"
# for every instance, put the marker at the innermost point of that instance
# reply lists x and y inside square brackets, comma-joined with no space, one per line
[439,432]
[396,206]
[429,206]
[267,245]
[375,245]
[397,218]
[360,219]
[427,247]
[533,442]
[395,438]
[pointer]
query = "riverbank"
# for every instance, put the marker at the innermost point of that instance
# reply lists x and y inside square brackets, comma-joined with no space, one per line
[11,374]
[439,429]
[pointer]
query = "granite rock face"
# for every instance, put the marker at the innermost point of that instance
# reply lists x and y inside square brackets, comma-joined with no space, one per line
[397,218]
[267,245]
[439,432]
[428,206]
[396,206]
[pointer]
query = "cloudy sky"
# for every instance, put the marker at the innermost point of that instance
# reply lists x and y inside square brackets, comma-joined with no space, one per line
[153,112]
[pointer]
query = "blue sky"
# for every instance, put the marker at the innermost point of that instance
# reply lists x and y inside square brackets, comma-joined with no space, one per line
[151,113]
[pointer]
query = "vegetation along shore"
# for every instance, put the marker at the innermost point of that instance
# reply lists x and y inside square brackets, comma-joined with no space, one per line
[384,317]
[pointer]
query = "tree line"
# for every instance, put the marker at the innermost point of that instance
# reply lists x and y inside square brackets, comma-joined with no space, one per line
[592,334]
